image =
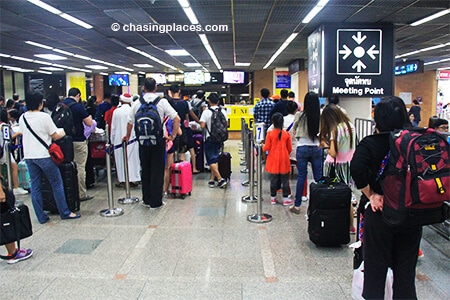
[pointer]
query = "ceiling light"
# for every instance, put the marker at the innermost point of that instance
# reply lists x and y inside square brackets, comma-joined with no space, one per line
[178,52]
[422,50]
[50,56]
[281,49]
[51,69]
[191,15]
[122,72]
[104,74]
[208,48]
[140,72]
[42,62]
[9,68]
[436,61]
[143,65]
[46,6]
[316,9]
[96,67]
[82,57]
[63,52]
[38,45]
[184,3]
[60,66]
[191,65]
[238,64]
[4,55]
[75,20]
[21,58]
[432,17]
[44,72]
[151,57]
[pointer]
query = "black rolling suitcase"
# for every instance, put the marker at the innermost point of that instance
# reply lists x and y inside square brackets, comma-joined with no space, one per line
[329,212]
[69,176]
[225,165]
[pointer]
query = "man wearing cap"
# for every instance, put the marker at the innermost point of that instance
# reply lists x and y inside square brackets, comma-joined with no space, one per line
[118,130]
[212,149]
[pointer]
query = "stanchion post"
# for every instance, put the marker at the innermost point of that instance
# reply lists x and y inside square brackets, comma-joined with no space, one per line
[250,198]
[259,217]
[109,212]
[128,199]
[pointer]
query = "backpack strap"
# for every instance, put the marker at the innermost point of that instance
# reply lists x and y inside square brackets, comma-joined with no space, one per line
[155,101]
[35,134]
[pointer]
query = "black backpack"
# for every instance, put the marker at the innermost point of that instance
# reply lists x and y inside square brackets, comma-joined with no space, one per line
[148,125]
[197,109]
[219,126]
[62,116]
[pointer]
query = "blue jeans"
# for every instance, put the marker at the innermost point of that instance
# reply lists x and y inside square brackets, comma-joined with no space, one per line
[305,154]
[46,167]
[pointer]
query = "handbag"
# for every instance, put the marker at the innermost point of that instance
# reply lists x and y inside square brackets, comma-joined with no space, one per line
[54,149]
[358,283]
[15,222]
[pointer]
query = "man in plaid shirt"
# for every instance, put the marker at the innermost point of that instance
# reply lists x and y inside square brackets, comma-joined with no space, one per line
[261,111]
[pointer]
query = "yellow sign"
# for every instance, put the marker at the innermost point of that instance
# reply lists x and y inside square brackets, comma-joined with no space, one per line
[80,83]
[236,113]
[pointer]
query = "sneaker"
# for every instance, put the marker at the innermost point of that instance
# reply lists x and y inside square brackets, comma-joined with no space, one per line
[304,198]
[86,198]
[353,230]
[420,254]
[22,254]
[211,184]
[287,201]
[273,200]
[19,191]
[145,204]
[222,183]
[163,203]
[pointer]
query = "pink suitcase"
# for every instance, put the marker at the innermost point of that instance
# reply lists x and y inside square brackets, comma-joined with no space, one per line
[181,179]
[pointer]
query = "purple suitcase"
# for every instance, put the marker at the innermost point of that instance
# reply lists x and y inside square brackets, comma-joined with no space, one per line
[181,179]
[199,153]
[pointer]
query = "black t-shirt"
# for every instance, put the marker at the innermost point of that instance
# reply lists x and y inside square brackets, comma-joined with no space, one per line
[182,108]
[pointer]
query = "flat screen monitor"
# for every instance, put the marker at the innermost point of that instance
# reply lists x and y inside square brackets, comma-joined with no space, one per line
[159,77]
[233,77]
[118,80]
[194,78]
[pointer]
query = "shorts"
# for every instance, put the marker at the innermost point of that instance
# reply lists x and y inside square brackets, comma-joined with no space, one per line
[212,151]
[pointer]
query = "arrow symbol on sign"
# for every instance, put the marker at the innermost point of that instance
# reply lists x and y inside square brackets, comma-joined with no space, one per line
[359,39]
[358,65]
[346,52]
[371,52]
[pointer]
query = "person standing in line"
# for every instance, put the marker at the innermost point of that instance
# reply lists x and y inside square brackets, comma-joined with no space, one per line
[115,100]
[384,245]
[80,147]
[38,159]
[338,134]
[152,157]
[415,111]
[212,149]
[306,129]
[334,99]
[101,110]
[279,146]
[119,123]
[262,109]
[280,106]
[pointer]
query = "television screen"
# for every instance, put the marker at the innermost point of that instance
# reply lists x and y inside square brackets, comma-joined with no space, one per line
[194,78]
[171,78]
[233,77]
[159,77]
[118,80]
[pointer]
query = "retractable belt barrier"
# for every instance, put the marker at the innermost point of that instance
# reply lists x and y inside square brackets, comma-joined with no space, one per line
[251,197]
[127,199]
[363,127]
[6,131]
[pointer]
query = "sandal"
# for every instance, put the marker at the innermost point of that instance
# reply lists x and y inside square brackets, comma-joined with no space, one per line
[72,216]
[294,210]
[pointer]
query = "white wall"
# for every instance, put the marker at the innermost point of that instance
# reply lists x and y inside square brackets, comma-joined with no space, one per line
[357,107]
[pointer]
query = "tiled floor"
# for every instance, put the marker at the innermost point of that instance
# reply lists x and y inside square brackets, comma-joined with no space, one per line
[202,247]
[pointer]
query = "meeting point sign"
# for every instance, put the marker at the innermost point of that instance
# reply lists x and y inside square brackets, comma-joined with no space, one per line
[358,60]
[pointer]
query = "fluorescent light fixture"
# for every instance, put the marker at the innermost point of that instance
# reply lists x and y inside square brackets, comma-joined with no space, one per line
[208,48]
[96,67]
[240,64]
[75,20]
[141,72]
[281,49]
[50,56]
[60,13]
[151,57]
[4,55]
[51,69]
[422,50]
[46,6]
[42,62]
[316,9]
[63,52]
[38,45]
[44,72]
[192,65]
[121,72]
[432,17]
[103,73]
[82,57]
[143,65]
[184,3]
[9,68]
[436,61]
[60,66]
[97,61]
[191,15]
[21,58]
[178,52]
